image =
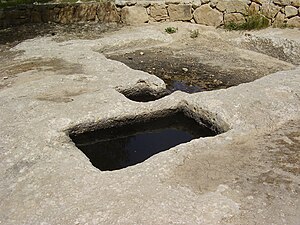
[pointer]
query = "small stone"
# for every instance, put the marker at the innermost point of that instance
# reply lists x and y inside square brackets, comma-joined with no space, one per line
[106,13]
[254,8]
[172,2]
[134,15]
[282,2]
[141,53]
[180,12]
[294,22]
[5,78]
[270,10]
[131,3]
[290,11]
[261,1]
[196,3]
[237,18]
[287,140]
[213,3]
[185,69]
[295,3]
[279,20]
[233,6]
[158,12]
[208,16]
[120,3]
[145,4]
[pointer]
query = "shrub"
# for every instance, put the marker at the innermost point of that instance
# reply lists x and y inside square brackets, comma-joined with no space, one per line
[254,21]
[171,30]
[194,33]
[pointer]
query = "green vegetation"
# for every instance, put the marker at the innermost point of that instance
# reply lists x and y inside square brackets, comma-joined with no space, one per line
[171,30]
[194,33]
[255,21]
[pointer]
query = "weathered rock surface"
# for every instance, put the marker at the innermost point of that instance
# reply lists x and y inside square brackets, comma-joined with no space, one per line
[294,22]
[158,12]
[234,18]
[66,15]
[269,10]
[282,2]
[180,12]
[279,20]
[295,3]
[290,11]
[225,179]
[108,13]
[208,16]
[232,6]
[261,1]
[254,8]
[279,44]
[82,12]
[196,3]
[134,15]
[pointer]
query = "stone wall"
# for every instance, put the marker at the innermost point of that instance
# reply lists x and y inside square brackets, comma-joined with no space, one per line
[207,12]
[210,12]
[59,13]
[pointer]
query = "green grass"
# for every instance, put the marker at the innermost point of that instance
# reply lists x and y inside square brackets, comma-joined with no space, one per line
[194,33]
[253,22]
[171,30]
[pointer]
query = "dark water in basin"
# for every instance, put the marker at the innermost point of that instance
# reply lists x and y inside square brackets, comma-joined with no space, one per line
[122,146]
[182,86]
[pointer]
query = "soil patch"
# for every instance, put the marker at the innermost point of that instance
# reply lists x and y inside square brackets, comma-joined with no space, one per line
[182,72]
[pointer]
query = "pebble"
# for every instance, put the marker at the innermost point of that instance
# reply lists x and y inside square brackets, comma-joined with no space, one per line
[5,78]
[250,197]
[141,53]
[185,69]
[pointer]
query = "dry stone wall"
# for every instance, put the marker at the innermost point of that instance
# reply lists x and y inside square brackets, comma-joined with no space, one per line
[206,12]
[214,12]
[59,13]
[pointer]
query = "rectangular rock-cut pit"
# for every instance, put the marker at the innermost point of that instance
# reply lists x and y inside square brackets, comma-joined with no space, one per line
[131,141]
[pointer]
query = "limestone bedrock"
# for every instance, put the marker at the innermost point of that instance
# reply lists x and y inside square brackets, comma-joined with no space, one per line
[247,175]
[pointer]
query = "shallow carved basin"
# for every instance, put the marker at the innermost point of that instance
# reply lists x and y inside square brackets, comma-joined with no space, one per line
[132,141]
